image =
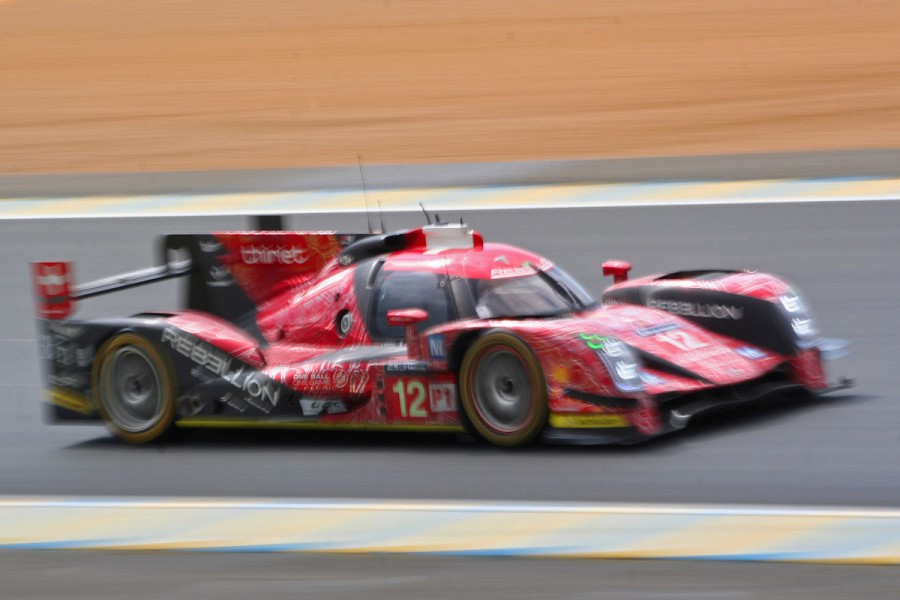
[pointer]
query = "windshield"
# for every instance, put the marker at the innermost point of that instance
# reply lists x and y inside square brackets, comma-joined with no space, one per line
[544,294]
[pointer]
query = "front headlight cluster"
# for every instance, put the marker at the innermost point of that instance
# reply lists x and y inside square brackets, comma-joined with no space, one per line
[621,363]
[801,319]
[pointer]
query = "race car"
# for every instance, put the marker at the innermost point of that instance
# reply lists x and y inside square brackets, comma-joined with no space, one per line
[427,329]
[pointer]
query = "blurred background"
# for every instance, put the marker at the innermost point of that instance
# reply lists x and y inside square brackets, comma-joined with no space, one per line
[103,85]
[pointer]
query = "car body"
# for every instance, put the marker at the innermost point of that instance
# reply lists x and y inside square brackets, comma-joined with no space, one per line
[429,329]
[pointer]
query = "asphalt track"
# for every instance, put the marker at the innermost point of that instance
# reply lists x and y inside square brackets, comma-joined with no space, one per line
[203,576]
[840,450]
[837,451]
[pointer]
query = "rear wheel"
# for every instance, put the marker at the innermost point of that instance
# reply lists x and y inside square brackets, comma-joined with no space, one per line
[135,389]
[502,390]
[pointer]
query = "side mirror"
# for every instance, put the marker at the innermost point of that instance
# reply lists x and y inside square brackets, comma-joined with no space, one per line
[618,269]
[404,317]
[408,318]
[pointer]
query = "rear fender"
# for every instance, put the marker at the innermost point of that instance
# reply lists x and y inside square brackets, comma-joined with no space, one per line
[68,350]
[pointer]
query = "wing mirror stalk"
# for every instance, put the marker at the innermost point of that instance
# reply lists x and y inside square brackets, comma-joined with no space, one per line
[618,269]
[409,318]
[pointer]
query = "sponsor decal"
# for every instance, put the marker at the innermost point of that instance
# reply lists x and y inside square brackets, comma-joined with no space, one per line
[354,380]
[593,341]
[442,397]
[804,327]
[682,340]
[65,355]
[587,421]
[614,347]
[708,351]
[751,353]
[656,329]
[520,271]
[650,379]
[315,380]
[210,246]
[792,303]
[234,402]
[698,309]
[507,272]
[219,277]
[52,279]
[617,359]
[274,255]
[607,345]
[69,380]
[436,346]
[202,374]
[51,285]
[406,366]
[59,347]
[626,370]
[358,381]
[65,330]
[340,379]
[256,388]
[313,408]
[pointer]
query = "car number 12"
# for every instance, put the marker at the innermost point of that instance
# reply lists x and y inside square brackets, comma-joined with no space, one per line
[411,393]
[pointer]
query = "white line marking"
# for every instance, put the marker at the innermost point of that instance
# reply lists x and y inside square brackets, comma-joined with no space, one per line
[460,506]
[464,203]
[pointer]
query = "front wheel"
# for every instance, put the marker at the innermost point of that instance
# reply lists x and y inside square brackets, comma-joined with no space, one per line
[502,390]
[135,389]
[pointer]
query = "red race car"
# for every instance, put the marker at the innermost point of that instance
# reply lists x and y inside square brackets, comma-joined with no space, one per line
[430,329]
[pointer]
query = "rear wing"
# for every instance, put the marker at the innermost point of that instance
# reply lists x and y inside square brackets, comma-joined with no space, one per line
[230,273]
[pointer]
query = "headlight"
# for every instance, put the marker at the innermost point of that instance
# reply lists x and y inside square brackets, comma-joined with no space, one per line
[801,320]
[621,363]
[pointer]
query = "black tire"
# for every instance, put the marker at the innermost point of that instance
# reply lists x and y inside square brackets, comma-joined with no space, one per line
[502,391]
[134,389]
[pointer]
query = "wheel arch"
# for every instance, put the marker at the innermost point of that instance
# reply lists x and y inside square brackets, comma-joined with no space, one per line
[461,344]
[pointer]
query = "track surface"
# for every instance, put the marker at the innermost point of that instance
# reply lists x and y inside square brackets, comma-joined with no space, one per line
[836,451]
[39,575]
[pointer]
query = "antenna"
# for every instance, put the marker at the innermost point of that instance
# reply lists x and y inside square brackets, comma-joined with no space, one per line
[365,194]
[381,216]
[427,217]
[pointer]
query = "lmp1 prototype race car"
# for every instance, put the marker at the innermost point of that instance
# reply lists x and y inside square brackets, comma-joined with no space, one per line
[429,329]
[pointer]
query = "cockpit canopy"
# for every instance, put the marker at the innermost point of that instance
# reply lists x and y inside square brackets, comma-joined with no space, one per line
[492,282]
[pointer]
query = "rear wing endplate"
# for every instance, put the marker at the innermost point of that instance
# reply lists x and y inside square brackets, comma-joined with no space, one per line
[55,294]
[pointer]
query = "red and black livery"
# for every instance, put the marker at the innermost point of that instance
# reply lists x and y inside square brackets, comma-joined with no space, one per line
[429,329]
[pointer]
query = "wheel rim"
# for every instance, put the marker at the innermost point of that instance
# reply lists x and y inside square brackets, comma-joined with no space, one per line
[503,391]
[133,395]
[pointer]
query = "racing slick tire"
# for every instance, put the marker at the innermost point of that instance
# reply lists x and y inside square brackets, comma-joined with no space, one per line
[135,389]
[502,390]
